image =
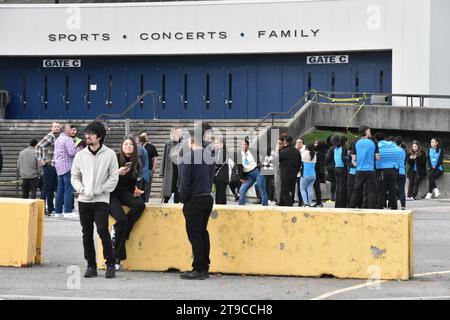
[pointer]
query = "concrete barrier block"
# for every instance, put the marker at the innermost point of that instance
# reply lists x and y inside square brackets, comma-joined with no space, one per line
[18,232]
[278,241]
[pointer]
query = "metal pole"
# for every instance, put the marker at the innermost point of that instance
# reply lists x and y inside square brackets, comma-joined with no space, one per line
[17,183]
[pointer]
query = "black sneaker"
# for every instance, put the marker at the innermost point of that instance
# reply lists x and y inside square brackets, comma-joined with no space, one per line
[206,274]
[110,272]
[91,272]
[193,275]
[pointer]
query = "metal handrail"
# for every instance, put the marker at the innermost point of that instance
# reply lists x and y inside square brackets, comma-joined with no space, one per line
[293,110]
[131,107]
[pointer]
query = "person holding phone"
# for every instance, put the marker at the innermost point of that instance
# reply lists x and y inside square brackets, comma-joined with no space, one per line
[127,193]
[417,162]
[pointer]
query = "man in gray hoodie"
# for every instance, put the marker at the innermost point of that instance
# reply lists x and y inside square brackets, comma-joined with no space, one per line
[95,173]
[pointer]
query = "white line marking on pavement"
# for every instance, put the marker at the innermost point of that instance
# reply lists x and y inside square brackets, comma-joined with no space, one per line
[373,283]
[413,298]
[24,297]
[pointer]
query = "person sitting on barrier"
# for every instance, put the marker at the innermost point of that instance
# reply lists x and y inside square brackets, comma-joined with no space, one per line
[320,147]
[196,180]
[28,167]
[143,158]
[363,156]
[417,169]
[94,176]
[309,159]
[290,163]
[435,167]
[127,193]
[248,167]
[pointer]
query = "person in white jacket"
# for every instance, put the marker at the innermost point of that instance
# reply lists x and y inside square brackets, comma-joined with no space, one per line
[95,174]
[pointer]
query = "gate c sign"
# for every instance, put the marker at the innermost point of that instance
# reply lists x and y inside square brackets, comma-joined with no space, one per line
[327,59]
[61,63]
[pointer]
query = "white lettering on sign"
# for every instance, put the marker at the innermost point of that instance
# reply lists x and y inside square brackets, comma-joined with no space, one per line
[61,63]
[327,59]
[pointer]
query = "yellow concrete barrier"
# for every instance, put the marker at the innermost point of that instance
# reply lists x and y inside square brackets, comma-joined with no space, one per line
[21,232]
[344,243]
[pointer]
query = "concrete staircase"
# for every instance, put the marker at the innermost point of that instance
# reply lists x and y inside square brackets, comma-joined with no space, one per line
[15,135]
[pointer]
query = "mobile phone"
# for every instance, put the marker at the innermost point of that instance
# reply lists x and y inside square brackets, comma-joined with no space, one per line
[128,164]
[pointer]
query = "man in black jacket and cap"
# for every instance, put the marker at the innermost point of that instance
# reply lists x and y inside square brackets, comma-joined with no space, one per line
[290,162]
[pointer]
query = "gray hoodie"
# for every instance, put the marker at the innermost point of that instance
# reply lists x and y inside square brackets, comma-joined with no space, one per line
[94,177]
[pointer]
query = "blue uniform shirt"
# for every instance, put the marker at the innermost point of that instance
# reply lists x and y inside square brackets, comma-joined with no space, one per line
[434,157]
[402,167]
[365,150]
[338,158]
[389,155]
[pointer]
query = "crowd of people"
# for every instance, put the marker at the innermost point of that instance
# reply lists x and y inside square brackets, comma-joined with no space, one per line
[370,172]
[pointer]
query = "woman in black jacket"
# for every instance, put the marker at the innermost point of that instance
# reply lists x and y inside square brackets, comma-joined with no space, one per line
[221,178]
[127,193]
[417,161]
[320,147]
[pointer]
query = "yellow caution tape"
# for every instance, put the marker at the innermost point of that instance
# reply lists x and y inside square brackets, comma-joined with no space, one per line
[10,182]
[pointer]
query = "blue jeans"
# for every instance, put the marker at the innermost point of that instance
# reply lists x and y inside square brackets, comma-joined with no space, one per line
[50,185]
[64,194]
[253,177]
[306,185]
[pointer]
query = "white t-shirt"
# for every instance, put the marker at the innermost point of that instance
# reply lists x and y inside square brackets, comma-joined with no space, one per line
[248,162]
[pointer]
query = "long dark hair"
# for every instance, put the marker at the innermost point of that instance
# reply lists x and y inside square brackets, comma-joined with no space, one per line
[419,148]
[310,148]
[134,157]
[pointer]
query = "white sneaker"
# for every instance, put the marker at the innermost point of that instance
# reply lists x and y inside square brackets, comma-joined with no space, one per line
[117,266]
[436,192]
[429,196]
[58,215]
[410,199]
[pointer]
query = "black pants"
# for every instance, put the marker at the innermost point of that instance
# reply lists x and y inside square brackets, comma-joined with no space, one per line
[97,212]
[413,184]
[351,188]
[124,222]
[176,197]
[287,195]
[317,191]
[29,186]
[432,176]
[367,178]
[221,193]
[332,178]
[270,186]
[196,212]
[341,187]
[235,186]
[387,188]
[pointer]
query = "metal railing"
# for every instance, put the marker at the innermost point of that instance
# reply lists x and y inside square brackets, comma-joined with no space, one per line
[128,109]
[370,99]
[288,114]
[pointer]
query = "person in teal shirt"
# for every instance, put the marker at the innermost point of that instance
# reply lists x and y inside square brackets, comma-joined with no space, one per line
[435,167]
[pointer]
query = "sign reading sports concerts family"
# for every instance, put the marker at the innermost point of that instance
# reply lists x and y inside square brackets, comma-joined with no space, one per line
[327,59]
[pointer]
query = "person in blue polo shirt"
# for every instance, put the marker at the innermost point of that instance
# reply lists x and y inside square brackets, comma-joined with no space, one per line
[363,156]
[340,172]
[388,164]
[401,181]
[435,160]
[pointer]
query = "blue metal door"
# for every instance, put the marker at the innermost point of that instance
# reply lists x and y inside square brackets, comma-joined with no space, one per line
[192,92]
[75,93]
[214,93]
[56,90]
[236,92]
[269,87]
[117,88]
[363,77]
[95,98]
[171,93]
[315,77]
[292,85]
